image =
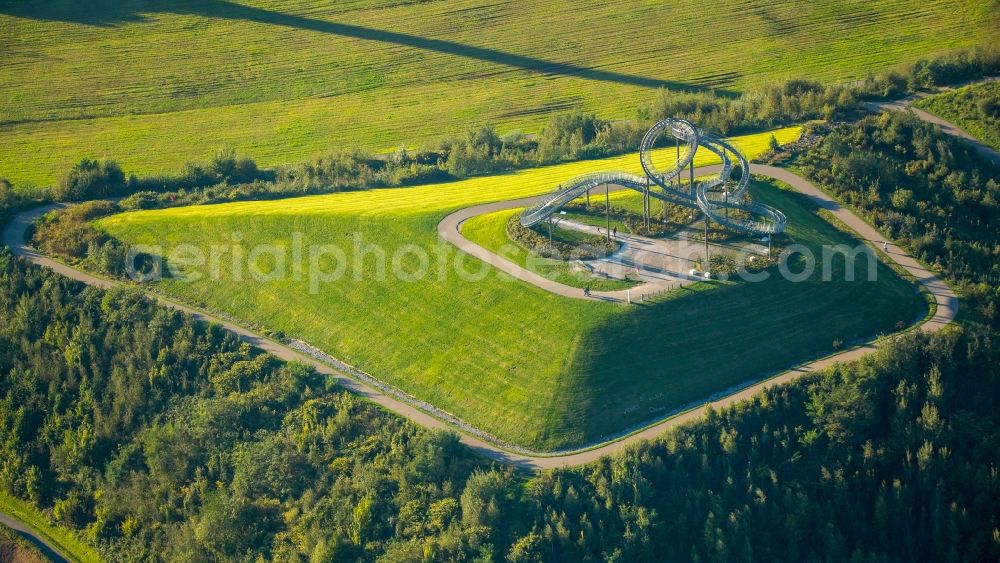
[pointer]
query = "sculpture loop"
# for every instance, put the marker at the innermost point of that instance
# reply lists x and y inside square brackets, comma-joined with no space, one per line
[721,202]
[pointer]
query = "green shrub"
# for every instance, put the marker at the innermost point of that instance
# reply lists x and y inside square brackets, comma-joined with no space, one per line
[68,233]
[722,265]
[91,179]
[227,167]
[955,67]
[989,107]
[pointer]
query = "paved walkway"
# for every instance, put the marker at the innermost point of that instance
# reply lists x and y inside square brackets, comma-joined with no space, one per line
[22,529]
[661,263]
[948,127]
[947,308]
[450,230]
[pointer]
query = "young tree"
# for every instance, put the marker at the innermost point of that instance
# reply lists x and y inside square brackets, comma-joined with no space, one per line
[773,143]
[483,498]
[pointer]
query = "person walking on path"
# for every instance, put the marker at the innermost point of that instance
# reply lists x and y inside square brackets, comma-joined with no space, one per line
[614,232]
[885,246]
[586,291]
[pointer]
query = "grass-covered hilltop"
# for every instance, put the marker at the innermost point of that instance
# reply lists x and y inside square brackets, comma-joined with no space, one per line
[157,83]
[532,368]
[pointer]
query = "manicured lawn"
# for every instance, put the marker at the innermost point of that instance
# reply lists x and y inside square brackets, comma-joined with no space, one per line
[155,84]
[528,366]
[974,108]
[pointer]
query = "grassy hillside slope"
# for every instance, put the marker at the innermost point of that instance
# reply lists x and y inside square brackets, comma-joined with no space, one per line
[526,365]
[974,108]
[154,84]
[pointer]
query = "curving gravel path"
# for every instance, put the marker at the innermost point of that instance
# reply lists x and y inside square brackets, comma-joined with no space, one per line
[22,529]
[947,307]
[948,127]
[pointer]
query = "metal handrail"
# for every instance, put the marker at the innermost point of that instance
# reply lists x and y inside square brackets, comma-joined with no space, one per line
[714,206]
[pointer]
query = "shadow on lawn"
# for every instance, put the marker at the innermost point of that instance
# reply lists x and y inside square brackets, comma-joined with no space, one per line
[639,366]
[117,12]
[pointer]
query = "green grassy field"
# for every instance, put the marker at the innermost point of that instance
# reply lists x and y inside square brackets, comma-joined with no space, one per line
[974,108]
[528,366]
[155,84]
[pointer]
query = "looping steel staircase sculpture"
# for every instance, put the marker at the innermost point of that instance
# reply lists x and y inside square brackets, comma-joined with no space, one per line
[717,197]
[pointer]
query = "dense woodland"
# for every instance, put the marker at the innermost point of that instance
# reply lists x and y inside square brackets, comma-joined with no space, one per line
[159,438]
[930,192]
[155,436]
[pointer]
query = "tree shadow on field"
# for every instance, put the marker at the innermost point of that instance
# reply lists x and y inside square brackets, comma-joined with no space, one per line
[108,13]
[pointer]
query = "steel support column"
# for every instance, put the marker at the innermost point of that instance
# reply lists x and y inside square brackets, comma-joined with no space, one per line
[607,210]
[708,259]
